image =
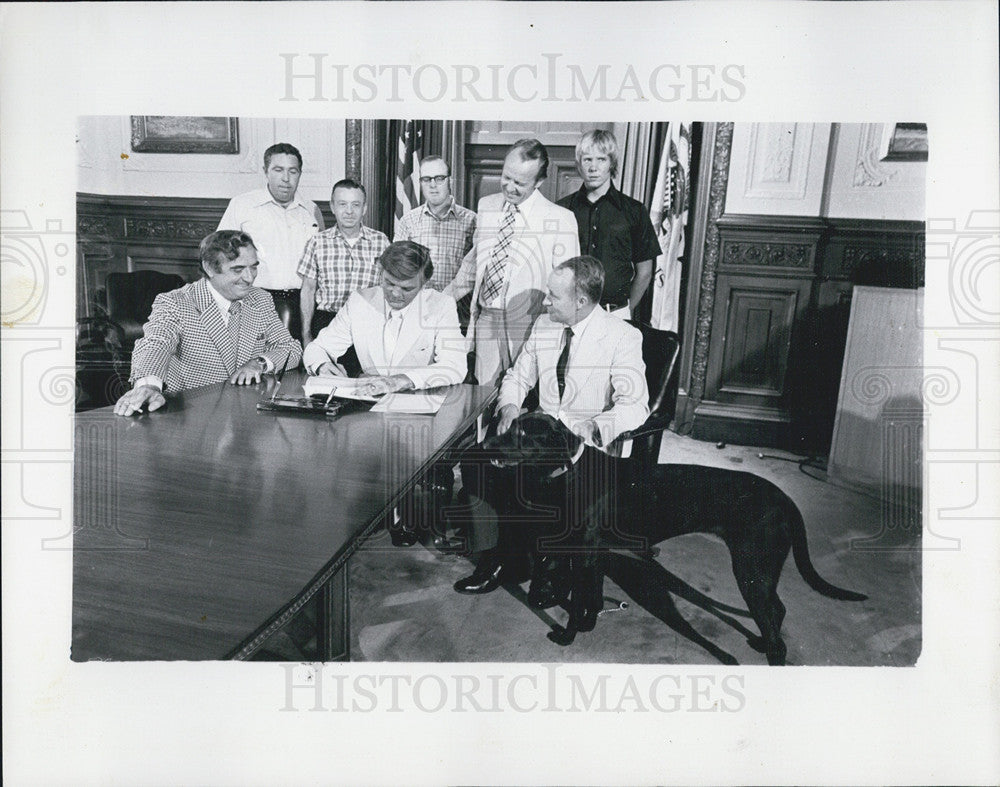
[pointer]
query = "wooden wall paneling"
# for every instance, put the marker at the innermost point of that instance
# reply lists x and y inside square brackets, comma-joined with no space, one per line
[484,163]
[752,332]
[507,132]
[822,261]
[100,250]
[116,233]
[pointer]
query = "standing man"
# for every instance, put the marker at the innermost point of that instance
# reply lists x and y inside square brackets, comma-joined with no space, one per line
[280,222]
[219,328]
[340,260]
[590,375]
[520,237]
[613,228]
[440,224]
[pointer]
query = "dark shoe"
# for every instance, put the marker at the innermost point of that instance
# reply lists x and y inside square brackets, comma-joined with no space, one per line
[485,579]
[401,537]
[550,585]
[457,543]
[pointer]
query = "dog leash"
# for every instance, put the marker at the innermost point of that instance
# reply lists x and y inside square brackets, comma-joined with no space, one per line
[622,606]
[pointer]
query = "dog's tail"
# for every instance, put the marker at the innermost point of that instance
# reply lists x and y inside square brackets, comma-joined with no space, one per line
[800,551]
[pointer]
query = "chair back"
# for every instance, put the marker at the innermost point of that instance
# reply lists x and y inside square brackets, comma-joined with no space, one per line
[660,350]
[130,298]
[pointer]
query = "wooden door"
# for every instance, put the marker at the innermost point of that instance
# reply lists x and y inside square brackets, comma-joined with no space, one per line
[487,143]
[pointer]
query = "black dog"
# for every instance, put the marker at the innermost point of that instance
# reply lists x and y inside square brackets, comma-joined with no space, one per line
[757,521]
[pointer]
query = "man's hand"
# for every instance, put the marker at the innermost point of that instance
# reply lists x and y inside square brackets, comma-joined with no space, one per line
[377,386]
[588,431]
[331,369]
[507,415]
[248,374]
[132,401]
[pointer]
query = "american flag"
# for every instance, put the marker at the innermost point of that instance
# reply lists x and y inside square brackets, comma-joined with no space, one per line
[670,204]
[408,168]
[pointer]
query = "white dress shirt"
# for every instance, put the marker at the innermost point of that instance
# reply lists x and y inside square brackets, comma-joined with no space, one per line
[279,232]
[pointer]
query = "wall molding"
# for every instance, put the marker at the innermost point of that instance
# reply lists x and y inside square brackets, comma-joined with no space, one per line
[869,172]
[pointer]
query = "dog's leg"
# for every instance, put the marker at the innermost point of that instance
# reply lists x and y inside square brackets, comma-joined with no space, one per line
[757,573]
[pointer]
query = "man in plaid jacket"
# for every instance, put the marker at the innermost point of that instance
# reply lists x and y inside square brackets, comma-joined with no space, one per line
[218,328]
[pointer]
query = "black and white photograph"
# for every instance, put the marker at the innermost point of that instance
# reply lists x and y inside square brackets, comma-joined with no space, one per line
[502,393]
[753,415]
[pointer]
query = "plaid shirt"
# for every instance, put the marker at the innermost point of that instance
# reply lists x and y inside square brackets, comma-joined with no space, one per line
[340,269]
[449,239]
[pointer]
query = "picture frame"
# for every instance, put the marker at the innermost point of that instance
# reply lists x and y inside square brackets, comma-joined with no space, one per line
[903,142]
[185,134]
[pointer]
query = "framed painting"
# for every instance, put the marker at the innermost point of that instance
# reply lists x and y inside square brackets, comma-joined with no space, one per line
[177,134]
[904,142]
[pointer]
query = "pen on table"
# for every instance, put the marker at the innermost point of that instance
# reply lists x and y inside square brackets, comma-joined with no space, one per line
[329,398]
[281,376]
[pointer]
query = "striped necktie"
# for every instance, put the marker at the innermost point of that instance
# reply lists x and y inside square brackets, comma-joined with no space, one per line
[496,270]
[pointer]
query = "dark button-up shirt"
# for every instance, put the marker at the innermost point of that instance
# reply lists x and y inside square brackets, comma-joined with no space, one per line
[616,230]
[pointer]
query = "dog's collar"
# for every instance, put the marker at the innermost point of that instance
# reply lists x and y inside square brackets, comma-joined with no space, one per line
[573,460]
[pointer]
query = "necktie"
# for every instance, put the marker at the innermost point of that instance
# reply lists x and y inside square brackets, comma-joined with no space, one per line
[235,311]
[563,362]
[390,334]
[496,269]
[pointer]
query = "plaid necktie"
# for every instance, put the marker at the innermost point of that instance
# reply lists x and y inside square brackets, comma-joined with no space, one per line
[233,326]
[496,270]
[563,362]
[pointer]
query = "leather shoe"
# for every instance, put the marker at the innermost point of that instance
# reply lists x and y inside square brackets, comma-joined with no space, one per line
[401,537]
[456,543]
[485,579]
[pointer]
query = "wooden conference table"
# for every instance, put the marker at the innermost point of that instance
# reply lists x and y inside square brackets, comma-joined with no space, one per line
[203,528]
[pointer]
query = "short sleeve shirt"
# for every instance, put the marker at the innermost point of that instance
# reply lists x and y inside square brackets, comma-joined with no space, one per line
[341,268]
[279,233]
[448,238]
[615,229]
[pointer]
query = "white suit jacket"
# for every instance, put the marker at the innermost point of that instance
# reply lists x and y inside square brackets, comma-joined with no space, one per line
[546,236]
[430,350]
[605,375]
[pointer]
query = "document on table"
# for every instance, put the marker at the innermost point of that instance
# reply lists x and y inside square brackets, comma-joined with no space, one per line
[414,402]
[340,387]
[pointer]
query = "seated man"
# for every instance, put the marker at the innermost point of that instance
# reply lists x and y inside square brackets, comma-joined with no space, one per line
[219,328]
[406,335]
[590,374]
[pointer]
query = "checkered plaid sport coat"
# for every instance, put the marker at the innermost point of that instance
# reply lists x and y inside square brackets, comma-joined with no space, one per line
[186,342]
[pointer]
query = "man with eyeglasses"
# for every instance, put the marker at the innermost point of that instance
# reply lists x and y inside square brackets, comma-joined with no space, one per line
[440,224]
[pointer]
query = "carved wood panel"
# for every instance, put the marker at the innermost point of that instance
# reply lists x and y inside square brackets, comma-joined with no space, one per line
[752,335]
